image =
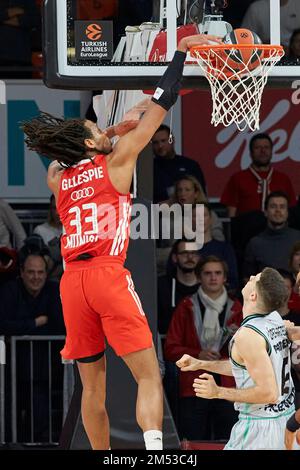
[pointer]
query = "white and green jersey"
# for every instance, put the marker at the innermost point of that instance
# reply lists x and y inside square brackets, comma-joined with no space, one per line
[272,328]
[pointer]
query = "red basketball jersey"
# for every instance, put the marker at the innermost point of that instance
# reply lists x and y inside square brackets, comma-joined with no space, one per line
[95,216]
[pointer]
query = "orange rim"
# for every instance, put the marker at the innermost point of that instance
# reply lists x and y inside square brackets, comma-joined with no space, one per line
[204,50]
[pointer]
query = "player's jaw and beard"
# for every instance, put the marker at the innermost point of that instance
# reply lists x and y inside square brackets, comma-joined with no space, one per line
[186,269]
[106,147]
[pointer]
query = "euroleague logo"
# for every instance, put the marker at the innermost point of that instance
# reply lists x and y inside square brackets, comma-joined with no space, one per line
[82,194]
[94,32]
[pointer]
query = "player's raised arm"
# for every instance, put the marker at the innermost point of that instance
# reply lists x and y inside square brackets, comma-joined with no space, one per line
[189,363]
[165,96]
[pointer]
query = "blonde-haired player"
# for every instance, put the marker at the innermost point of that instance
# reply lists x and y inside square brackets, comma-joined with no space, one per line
[260,363]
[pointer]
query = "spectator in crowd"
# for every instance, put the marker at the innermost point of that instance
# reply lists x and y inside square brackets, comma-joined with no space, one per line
[222,250]
[173,288]
[52,228]
[293,299]
[169,167]
[271,248]
[294,268]
[12,234]
[294,260]
[179,282]
[50,232]
[30,305]
[247,190]
[289,313]
[257,19]
[34,245]
[188,191]
[201,326]
[294,46]
[17,20]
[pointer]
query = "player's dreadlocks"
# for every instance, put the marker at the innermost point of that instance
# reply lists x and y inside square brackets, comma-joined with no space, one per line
[56,138]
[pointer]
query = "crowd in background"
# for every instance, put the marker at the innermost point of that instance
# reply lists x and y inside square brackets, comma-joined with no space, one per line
[199,274]
[199,287]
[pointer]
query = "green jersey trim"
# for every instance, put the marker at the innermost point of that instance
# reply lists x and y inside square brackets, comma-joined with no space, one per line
[246,432]
[231,358]
[236,363]
[255,418]
[255,315]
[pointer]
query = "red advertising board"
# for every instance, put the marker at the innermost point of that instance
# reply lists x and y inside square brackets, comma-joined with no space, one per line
[223,151]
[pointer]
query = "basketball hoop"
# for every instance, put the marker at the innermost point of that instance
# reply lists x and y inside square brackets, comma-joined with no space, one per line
[237,74]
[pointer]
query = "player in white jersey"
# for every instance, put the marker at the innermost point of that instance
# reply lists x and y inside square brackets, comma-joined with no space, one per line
[260,363]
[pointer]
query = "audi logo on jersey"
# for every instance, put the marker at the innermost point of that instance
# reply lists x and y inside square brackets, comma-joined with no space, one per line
[82,194]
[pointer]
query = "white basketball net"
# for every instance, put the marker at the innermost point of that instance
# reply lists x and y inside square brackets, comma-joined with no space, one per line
[236,94]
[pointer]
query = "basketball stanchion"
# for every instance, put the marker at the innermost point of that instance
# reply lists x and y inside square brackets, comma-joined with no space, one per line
[237,74]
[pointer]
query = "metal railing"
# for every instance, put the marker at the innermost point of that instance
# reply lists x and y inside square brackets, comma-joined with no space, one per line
[14,379]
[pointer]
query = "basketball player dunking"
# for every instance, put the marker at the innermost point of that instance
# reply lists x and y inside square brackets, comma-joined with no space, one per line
[98,296]
[260,363]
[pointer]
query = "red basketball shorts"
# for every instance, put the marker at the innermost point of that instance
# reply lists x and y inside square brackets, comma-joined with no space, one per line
[99,301]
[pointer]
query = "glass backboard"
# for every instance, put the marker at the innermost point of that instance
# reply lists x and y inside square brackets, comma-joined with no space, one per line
[116,44]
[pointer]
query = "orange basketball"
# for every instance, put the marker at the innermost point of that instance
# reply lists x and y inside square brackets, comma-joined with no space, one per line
[237,58]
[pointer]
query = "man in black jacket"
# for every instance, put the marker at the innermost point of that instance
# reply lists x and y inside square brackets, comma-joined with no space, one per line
[169,167]
[172,288]
[30,305]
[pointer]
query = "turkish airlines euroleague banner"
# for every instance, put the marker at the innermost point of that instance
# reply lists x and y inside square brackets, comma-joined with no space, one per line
[223,151]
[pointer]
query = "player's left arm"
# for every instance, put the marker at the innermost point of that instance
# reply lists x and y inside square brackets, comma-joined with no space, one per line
[53,177]
[120,129]
[128,147]
[251,348]
[292,430]
[130,120]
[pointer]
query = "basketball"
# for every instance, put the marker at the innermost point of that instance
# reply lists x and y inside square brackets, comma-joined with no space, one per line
[236,59]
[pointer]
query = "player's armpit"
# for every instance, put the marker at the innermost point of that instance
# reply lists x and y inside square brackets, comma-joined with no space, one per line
[252,348]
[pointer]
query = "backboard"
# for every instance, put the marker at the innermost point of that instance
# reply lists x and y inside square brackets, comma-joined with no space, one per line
[111,44]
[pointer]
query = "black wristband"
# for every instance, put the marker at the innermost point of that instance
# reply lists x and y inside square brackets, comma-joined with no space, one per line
[292,424]
[169,85]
